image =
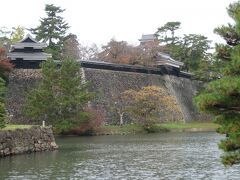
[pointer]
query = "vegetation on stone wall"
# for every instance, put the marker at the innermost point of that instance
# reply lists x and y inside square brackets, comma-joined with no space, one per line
[5,68]
[2,103]
[61,96]
[222,97]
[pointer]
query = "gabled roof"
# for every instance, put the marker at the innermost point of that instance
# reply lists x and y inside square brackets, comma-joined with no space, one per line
[148,37]
[28,43]
[28,39]
[165,59]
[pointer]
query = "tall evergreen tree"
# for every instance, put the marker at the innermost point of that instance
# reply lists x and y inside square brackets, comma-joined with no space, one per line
[222,97]
[60,98]
[190,49]
[52,30]
[163,33]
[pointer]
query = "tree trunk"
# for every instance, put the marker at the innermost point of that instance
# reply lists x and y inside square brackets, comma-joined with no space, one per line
[121,118]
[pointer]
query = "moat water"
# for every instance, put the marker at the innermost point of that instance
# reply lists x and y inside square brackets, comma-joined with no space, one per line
[150,156]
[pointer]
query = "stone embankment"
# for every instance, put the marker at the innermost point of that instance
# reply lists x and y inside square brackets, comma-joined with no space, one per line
[108,85]
[21,81]
[30,140]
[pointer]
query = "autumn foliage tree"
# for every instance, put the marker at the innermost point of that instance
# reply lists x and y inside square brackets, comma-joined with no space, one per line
[5,65]
[116,52]
[147,104]
[123,53]
[71,47]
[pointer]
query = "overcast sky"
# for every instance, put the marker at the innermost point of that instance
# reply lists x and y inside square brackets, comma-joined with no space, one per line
[97,21]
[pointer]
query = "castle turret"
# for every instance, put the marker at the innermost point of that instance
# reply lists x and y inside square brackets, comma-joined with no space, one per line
[148,39]
[28,53]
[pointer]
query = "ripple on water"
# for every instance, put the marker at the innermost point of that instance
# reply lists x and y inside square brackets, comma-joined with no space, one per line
[157,156]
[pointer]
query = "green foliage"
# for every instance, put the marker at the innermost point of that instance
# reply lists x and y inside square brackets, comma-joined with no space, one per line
[195,49]
[8,37]
[191,125]
[2,105]
[61,96]
[52,30]
[17,34]
[5,68]
[92,125]
[155,128]
[16,126]
[163,127]
[191,49]
[222,97]
[163,31]
[4,36]
[124,129]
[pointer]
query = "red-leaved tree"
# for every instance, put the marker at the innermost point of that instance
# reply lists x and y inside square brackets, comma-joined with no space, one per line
[5,65]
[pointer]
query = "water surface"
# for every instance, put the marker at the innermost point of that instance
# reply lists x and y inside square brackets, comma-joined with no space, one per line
[152,156]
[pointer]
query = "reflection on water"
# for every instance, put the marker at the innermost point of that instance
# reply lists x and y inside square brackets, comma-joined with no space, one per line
[153,156]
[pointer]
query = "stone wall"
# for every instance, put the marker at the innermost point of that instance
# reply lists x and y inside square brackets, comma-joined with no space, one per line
[108,86]
[21,81]
[26,140]
[184,90]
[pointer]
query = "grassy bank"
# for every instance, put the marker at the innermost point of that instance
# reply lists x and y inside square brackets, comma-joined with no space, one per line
[15,126]
[125,129]
[138,129]
[191,126]
[164,127]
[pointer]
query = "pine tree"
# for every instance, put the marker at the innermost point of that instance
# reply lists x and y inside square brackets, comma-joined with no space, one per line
[61,96]
[52,30]
[222,97]
[191,49]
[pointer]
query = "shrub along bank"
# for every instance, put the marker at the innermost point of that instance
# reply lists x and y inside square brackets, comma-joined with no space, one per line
[157,128]
[135,128]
